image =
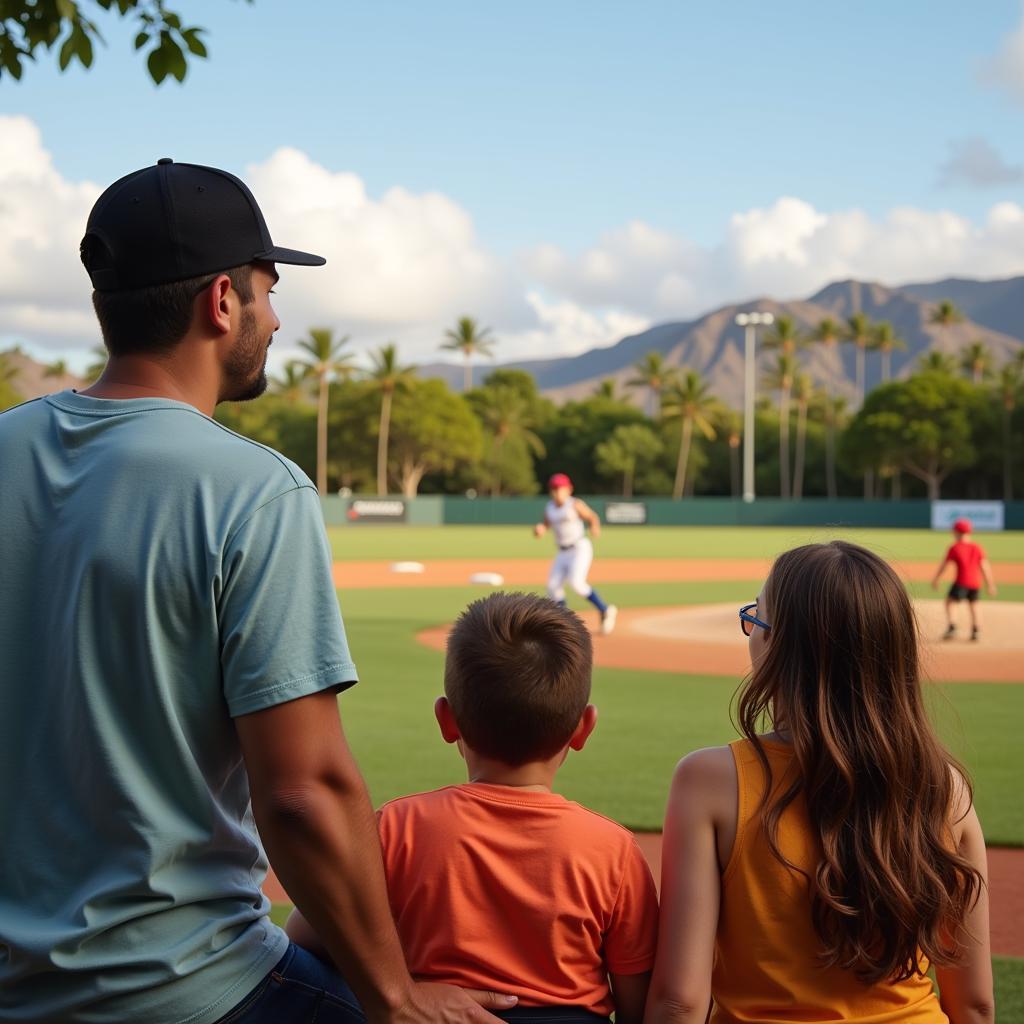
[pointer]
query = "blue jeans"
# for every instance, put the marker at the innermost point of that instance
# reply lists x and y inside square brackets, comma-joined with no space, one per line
[301,989]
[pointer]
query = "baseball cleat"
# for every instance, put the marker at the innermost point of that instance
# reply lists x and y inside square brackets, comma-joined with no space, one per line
[950,633]
[608,619]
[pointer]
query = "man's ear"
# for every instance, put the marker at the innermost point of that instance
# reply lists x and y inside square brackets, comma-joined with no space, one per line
[588,722]
[216,304]
[446,721]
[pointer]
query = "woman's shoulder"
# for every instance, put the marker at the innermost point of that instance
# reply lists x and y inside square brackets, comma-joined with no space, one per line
[705,773]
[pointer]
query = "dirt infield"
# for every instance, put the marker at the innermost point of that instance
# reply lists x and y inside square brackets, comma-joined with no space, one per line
[706,640]
[1006,879]
[453,572]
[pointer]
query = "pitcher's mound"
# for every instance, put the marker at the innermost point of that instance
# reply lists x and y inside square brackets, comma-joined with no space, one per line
[706,640]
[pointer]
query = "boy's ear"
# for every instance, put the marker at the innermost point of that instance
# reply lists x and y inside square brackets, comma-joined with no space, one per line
[588,721]
[446,721]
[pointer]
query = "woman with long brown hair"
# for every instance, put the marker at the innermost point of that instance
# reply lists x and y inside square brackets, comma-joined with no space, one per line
[815,868]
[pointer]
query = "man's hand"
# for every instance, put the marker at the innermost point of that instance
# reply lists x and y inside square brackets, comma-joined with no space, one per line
[539,530]
[991,589]
[445,1004]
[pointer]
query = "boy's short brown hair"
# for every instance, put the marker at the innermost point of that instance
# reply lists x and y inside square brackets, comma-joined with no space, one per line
[517,676]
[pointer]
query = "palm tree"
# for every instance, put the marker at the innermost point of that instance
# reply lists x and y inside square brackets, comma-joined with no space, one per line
[468,338]
[651,373]
[687,398]
[507,417]
[387,376]
[885,340]
[976,359]
[785,338]
[945,314]
[937,362]
[325,359]
[828,333]
[803,390]
[780,378]
[1009,381]
[293,384]
[858,333]
[606,389]
[58,368]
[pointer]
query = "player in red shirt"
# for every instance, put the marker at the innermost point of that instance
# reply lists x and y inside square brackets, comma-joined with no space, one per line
[972,567]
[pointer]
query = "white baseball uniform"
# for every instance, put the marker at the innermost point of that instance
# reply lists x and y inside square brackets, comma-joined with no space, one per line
[575,552]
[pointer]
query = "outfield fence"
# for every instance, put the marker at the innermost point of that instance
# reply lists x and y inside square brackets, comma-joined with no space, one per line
[447,510]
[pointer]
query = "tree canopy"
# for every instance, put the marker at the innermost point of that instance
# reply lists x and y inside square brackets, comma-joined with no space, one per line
[71,27]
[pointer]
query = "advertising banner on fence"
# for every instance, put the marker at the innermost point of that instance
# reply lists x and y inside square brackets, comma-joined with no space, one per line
[984,515]
[625,513]
[376,510]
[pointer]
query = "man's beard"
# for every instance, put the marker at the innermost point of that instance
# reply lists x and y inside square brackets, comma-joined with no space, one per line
[245,373]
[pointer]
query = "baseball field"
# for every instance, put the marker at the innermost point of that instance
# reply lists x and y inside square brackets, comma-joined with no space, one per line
[665,680]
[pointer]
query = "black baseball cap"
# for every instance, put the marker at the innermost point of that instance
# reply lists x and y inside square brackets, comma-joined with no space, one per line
[174,221]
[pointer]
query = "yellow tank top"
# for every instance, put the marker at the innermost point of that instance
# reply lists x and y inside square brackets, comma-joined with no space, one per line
[766,962]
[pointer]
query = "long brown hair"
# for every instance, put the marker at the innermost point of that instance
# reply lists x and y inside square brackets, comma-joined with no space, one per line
[839,676]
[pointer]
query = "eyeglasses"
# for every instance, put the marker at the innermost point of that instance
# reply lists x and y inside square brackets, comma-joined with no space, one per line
[748,620]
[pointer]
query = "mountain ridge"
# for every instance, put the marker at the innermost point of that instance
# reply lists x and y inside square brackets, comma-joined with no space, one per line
[712,344]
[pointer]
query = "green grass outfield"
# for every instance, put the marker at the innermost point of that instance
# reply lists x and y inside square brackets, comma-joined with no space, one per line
[423,542]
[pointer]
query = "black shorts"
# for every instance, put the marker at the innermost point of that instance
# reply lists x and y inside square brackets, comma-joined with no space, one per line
[958,592]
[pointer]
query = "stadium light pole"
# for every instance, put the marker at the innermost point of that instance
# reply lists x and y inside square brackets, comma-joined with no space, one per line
[750,322]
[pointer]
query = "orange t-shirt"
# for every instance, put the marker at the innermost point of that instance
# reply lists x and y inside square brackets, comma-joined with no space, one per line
[494,887]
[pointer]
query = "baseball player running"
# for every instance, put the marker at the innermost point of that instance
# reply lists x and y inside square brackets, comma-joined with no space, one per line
[567,518]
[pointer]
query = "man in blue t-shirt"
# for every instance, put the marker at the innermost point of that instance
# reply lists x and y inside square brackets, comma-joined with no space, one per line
[170,653]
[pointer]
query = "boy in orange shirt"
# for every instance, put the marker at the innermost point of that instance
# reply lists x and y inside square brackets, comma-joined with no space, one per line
[500,884]
[971,568]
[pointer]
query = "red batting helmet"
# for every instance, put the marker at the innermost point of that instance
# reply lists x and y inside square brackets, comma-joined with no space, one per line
[559,480]
[962,526]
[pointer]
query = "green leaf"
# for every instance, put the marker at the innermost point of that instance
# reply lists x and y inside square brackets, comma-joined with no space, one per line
[172,20]
[66,52]
[67,9]
[176,63]
[141,39]
[193,42]
[85,50]
[156,62]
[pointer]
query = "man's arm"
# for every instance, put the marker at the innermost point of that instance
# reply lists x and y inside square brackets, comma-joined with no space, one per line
[590,517]
[314,815]
[542,527]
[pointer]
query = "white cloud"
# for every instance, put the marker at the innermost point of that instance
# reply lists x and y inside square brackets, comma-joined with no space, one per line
[44,290]
[976,163]
[399,264]
[403,265]
[786,250]
[1004,70]
[565,328]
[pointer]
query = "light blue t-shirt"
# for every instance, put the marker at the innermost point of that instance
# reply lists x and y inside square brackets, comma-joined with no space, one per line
[159,575]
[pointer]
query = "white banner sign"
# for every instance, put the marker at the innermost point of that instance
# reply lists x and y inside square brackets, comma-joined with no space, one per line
[625,513]
[984,515]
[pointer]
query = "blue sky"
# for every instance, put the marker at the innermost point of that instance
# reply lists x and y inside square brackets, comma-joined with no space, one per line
[550,124]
